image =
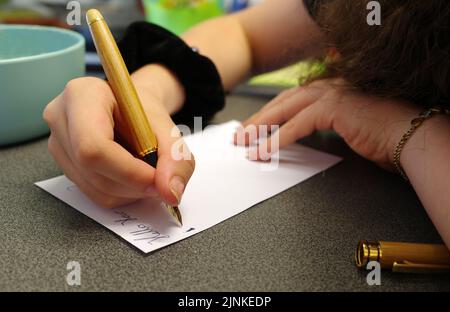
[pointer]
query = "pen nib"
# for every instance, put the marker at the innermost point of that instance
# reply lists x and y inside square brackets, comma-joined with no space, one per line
[175,212]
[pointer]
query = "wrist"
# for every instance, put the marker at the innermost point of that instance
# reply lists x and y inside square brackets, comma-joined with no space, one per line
[401,122]
[433,132]
[158,82]
[425,130]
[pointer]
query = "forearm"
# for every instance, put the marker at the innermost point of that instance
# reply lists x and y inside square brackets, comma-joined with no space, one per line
[221,40]
[425,159]
[224,41]
[265,37]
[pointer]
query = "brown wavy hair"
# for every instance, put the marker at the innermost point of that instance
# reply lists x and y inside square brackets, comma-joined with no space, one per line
[407,57]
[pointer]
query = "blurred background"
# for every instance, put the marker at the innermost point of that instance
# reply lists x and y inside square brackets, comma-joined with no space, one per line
[175,15]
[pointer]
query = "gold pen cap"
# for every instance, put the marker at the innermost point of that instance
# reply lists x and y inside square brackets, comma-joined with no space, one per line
[404,257]
[93,15]
[366,252]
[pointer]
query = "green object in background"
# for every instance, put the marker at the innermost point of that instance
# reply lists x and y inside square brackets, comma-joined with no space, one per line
[35,64]
[294,75]
[179,15]
[9,11]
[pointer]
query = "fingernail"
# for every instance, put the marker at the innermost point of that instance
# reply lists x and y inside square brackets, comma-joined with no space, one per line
[177,186]
[151,191]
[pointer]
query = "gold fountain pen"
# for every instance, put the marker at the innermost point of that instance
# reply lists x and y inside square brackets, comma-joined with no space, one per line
[404,257]
[141,135]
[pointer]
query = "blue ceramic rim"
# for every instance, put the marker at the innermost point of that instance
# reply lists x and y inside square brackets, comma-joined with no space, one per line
[80,42]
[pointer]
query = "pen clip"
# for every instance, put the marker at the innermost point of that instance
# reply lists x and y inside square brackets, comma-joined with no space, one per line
[411,267]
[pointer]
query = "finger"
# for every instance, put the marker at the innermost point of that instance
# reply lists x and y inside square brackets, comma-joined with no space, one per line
[280,98]
[56,118]
[91,133]
[276,115]
[111,187]
[247,133]
[98,197]
[287,108]
[175,164]
[245,136]
[313,117]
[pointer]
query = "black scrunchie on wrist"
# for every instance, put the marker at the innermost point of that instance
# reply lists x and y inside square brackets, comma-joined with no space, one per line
[145,43]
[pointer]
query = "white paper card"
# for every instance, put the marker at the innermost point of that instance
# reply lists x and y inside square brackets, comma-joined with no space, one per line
[224,184]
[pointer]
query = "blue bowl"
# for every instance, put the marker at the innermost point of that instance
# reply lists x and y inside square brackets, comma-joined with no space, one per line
[35,64]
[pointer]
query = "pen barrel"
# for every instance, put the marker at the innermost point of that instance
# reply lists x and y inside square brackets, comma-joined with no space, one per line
[428,254]
[140,133]
[395,254]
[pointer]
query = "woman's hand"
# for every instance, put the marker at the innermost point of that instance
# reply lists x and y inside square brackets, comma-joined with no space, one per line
[85,124]
[371,126]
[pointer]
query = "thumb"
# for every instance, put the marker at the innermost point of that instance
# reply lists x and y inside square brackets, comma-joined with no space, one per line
[175,164]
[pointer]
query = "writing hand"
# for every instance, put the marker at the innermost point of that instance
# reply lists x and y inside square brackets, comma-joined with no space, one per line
[85,126]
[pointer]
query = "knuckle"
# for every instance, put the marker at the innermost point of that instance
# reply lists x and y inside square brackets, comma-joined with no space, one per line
[79,82]
[323,122]
[290,128]
[71,90]
[87,154]
[284,113]
[319,83]
[284,93]
[190,159]
[313,84]
[51,145]
[191,163]
[73,84]
[48,114]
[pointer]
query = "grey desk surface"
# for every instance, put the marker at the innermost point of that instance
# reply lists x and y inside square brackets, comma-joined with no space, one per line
[300,240]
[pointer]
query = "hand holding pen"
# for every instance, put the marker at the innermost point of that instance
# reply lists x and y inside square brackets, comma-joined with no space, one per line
[87,126]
